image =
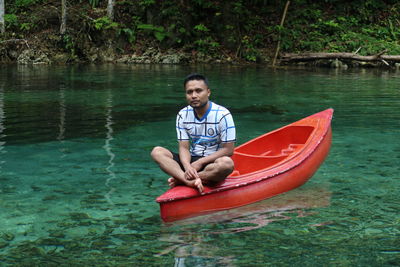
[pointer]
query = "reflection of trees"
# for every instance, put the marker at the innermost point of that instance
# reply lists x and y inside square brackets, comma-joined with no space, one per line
[107,145]
[2,122]
[63,110]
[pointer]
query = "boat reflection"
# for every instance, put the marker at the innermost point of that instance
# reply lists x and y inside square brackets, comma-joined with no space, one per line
[188,245]
[269,210]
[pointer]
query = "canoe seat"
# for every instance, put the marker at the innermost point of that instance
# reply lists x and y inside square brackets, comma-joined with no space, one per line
[291,149]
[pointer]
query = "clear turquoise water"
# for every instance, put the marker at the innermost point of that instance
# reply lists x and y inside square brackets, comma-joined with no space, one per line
[77,185]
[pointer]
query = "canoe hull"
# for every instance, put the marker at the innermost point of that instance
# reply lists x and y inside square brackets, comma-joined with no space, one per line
[287,180]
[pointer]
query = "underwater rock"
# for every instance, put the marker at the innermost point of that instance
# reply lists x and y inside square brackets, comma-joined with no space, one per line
[99,244]
[124,251]
[3,244]
[79,215]
[50,242]
[8,189]
[8,236]
[36,188]
[57,234]
[50,197]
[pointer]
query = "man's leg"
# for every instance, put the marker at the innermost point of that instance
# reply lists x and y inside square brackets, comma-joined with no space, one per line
[164,158]
[218,170]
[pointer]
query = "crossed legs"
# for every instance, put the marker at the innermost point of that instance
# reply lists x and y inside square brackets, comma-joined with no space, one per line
[213,172]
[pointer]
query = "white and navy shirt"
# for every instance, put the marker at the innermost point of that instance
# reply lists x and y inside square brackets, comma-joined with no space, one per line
[205,134]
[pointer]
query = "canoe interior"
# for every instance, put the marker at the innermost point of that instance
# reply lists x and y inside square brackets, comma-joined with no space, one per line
[270,149]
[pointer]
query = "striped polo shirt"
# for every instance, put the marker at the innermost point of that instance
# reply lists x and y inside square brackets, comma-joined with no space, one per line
[205,134]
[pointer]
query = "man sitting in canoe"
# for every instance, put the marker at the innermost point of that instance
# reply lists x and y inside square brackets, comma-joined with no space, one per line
[206,136]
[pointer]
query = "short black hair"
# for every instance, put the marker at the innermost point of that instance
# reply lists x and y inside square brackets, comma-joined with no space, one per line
[195,77]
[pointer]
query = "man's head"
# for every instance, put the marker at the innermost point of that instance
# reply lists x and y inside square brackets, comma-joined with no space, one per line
[197,90]
[195,77]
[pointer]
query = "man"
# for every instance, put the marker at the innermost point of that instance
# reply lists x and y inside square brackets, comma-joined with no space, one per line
[206,136]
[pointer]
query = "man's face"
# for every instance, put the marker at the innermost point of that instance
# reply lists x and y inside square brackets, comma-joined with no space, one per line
[197,93]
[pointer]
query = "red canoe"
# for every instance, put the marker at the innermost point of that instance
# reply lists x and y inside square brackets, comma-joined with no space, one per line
[268,165]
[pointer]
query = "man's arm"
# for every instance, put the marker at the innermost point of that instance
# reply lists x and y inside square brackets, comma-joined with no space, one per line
[226,150]
[185,157]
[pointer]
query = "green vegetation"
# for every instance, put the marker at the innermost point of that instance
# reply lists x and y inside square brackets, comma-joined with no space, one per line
[239,28]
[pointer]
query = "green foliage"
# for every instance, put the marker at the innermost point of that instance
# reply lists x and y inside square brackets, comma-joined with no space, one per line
[94,3]
[249,52]
[158,31]
[372,25]
[238,27]
[69,44]
[130,35]
[20,5]
[25,3]
[104,23]
[201,28]
[204,42]
[26,26]
[10,20]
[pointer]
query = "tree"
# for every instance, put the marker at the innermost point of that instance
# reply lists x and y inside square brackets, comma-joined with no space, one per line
[63,27]
[2,24]
[110,9]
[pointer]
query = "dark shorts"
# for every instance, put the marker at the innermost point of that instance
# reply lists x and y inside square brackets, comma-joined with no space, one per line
[177,159]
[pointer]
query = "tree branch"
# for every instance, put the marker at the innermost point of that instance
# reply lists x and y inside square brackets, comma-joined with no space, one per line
[16,41]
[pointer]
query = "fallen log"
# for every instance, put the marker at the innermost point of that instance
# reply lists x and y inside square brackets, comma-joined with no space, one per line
[348,56]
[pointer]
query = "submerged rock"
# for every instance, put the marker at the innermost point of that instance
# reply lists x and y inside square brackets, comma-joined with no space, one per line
[3,244]
[7,236]
[79,215]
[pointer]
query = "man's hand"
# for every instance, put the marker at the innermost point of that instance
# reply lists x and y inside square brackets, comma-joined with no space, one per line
[191,173]
[197,165]
[192,177]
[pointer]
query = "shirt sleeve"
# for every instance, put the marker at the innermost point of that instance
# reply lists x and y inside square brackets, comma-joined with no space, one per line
[227,129]
[180,128]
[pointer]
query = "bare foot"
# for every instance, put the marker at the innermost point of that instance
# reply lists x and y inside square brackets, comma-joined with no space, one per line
[197,183]
[171,182]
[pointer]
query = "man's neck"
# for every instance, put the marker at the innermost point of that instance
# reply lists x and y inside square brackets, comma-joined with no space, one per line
[200,111]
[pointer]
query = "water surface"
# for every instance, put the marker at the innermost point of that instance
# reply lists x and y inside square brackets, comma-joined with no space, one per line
[77,185]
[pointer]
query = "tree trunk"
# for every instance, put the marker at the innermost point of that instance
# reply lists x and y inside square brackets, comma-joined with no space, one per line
[110,9]
[350,56]
[63,27]
[278,46]
[2,24]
